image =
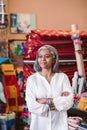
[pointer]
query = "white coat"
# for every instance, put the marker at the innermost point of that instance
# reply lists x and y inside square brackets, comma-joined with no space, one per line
[38,87]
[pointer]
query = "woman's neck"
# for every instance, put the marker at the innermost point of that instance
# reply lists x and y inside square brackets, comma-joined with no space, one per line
[48,74]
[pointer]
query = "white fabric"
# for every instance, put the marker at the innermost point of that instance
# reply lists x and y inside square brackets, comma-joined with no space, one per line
[81,82]
[38,87]
[75,82]
[2,95]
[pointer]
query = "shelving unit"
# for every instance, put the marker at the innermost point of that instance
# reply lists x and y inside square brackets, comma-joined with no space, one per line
[60,61]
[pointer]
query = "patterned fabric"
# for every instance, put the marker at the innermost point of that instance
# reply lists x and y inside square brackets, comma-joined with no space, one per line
[14,101]
[11,89]
[27,71]
[60,39]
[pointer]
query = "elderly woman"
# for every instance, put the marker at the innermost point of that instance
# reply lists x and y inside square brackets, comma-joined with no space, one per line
[48,92]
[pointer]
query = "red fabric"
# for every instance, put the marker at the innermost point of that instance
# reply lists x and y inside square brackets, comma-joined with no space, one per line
[64,33]
[69,70]
[27,71]
[61,40]
[10,80]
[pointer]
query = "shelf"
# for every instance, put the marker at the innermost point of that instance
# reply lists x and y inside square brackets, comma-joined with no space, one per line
[12,40]
[29,62]
[77,112]
[60,61]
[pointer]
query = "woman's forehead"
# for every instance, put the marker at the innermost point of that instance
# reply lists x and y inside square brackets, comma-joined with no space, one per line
[44,50]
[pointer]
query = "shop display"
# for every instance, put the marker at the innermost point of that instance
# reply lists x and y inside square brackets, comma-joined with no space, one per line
[63,41]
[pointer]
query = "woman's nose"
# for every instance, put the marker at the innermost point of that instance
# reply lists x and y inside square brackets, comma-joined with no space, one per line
[43,57]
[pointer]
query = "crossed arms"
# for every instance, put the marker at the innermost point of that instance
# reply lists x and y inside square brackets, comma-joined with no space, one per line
[49,101]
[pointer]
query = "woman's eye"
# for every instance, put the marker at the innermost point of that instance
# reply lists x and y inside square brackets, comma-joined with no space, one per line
[40,56]
[46,56]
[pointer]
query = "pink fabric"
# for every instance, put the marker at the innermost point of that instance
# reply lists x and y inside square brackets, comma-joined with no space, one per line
[82,94]
[74,122]
[24,114]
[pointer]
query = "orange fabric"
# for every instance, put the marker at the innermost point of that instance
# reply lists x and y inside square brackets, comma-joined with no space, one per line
[82,105]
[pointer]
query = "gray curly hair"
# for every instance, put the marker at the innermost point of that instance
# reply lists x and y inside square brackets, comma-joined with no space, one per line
[55,55]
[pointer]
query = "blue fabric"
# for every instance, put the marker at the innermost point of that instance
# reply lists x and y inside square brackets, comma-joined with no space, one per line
[3,124]
[6,124]
[10,123]
[3,60]
[83,126]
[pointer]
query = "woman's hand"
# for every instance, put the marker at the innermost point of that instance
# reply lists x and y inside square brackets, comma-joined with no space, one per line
[52,107]
[66,93]
[41,100]
[48,101]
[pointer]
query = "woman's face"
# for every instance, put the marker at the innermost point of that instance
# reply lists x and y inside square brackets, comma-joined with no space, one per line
[45,59]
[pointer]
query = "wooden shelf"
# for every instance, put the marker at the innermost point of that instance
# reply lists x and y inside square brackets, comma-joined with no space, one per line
[12,40]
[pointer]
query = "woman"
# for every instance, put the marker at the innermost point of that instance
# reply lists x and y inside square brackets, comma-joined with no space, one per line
[48,92]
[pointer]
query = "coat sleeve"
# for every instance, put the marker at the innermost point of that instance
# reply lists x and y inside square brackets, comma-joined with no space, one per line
[30,98]
[63,103]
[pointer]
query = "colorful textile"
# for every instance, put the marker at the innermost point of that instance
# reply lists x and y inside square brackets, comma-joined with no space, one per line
[25,115]
[61,40]
[14,101]
[7,120]
[74,122]
[11,89]
[82,105]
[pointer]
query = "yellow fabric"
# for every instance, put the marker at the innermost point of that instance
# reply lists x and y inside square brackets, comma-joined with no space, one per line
[12,92]
[19,69]
[9,72]
[8,116]
[8,69]
[82,105]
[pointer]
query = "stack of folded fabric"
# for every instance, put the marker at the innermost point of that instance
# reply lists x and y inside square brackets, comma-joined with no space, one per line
[74,122]
[11,119]
[25,117]
[8,120]
[83,125]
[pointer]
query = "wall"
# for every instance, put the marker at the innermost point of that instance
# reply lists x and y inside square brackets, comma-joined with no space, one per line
[52,14]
